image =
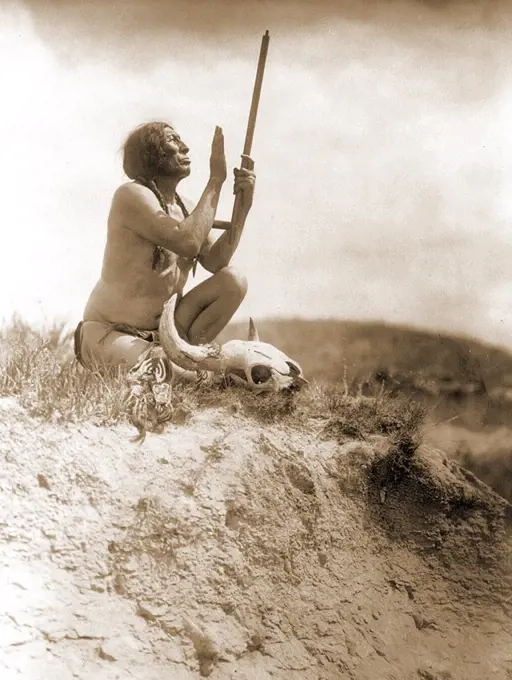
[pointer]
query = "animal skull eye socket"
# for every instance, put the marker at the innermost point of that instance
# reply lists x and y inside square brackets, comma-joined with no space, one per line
[260,374]
[294,369]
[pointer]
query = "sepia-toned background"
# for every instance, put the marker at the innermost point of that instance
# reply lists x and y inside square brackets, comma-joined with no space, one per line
[382,149]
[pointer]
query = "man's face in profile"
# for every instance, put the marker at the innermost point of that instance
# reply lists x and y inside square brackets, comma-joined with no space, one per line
[177,162]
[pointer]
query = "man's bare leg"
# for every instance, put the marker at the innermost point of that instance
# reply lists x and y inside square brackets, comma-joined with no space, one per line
[101,347]
[205,310]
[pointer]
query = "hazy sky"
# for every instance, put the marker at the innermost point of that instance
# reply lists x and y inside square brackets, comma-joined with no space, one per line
[383,149]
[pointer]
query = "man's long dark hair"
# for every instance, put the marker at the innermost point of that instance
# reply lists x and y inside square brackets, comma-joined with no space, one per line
[143,156]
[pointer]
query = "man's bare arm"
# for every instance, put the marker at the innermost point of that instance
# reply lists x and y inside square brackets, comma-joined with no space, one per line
[142,213]
[217,253]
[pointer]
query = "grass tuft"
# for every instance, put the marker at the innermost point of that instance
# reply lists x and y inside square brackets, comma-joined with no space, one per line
[37,367]
[358,416]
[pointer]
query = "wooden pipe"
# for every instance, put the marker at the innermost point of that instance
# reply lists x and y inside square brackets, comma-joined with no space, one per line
[252,119]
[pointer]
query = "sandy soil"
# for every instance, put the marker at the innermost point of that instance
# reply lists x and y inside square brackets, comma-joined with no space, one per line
[235,551]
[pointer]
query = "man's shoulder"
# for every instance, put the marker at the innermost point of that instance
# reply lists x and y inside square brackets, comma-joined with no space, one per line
[131,188]
[131,194]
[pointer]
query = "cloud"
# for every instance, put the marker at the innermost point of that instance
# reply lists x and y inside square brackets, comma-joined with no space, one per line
[153,28]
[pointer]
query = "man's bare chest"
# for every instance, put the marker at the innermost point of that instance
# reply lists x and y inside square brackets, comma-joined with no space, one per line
[170,268]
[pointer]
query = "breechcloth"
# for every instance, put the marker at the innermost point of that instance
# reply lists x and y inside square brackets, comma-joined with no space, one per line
[112,344]
[98,344]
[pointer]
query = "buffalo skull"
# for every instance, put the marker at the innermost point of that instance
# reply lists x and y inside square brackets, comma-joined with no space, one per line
[254,364]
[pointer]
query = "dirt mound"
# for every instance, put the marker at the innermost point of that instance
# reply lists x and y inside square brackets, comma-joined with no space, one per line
[236,551]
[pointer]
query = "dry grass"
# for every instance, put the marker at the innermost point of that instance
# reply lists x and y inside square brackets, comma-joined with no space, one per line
[359,416]
[38,368]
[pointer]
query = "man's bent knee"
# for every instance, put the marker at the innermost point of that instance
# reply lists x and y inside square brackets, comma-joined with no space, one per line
[234,281]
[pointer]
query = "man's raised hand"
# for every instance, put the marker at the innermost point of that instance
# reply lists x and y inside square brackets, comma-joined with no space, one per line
[218,170]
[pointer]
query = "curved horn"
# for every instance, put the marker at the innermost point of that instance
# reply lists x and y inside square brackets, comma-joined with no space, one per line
[253,331]
[179,351]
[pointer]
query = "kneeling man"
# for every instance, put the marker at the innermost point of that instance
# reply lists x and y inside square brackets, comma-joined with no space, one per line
[154,239]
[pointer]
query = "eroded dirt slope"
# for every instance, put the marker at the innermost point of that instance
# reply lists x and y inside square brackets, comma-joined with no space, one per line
[227,550]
